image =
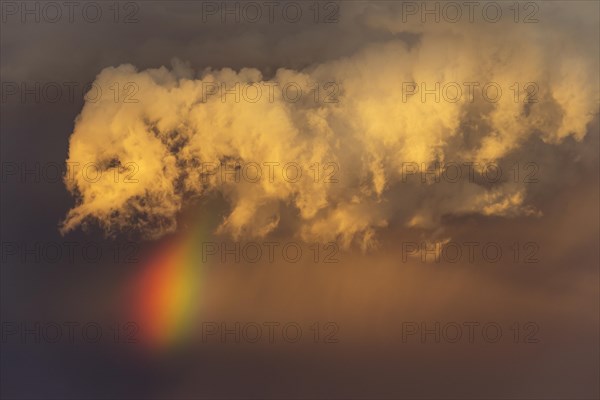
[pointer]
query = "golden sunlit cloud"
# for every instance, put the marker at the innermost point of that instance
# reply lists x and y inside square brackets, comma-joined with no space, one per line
[460,95]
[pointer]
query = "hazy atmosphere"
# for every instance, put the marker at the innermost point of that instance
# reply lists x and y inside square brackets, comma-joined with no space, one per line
[290,200]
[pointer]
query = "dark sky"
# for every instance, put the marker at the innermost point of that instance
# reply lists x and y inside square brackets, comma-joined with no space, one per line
[370,305]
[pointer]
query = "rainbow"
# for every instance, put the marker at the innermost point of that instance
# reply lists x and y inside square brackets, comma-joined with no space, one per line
[167,291]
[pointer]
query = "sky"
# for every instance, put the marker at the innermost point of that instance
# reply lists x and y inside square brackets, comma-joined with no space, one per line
[300,199]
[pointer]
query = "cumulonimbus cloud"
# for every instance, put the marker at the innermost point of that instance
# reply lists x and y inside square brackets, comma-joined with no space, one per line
[364,121]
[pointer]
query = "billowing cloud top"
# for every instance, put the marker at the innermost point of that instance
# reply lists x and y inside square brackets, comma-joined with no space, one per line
[359,129]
